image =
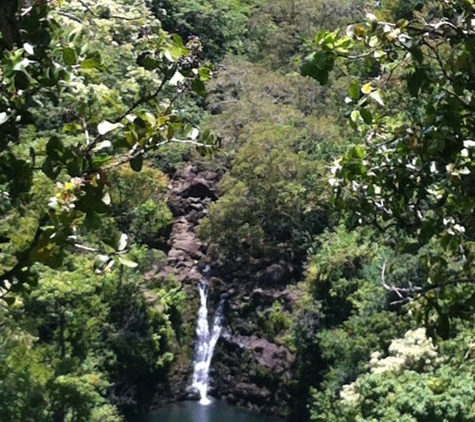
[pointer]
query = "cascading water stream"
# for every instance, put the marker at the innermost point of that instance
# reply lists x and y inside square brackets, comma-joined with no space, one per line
[206,341]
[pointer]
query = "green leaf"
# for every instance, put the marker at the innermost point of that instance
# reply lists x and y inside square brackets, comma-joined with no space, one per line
[21,80]
[198,87]
[136,163]
[344,41]
[402,23]
[355,116]
[321,60]
[127,262]
[308,68]
[178,41]
[357,152]
[354,89]
[75,166]
[50,168]
[149,63]
[204,74]
[318,66]
[366,115]
[92,61]
[70,56]
[55,148]
[72,128]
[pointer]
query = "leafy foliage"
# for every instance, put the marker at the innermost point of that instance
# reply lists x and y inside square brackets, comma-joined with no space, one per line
[409,101]
[100,339]
[416,166]
[415,393]
[220,25]
[266,210]
[94,98]
[111,115]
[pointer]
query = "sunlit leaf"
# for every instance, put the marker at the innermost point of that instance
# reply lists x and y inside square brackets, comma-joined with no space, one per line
[127,262]
[122,242]
[28,49]
[105,127]
[106,198]
[376,95]
[102,145]
[3,117]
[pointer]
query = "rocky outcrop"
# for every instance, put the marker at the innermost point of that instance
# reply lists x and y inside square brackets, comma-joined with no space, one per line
[191,191]
[253,366]
[253,372]
[278,273]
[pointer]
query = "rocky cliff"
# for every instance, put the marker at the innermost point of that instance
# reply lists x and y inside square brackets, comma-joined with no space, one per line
[253,364]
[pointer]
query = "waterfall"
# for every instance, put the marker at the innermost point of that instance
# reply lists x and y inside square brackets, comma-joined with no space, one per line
[206,340]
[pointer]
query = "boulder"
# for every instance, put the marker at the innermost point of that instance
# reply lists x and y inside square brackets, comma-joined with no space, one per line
[274,274]
[189,245]
[209,175]
[198,188]
[178,206]
[192,393]
[252,392]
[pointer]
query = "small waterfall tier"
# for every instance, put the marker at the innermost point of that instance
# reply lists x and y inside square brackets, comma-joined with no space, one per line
[206,338]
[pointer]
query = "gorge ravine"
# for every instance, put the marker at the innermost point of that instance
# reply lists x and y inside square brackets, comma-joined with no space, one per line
[250,368]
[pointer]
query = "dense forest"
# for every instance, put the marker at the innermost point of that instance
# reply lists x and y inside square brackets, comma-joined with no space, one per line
[318,152]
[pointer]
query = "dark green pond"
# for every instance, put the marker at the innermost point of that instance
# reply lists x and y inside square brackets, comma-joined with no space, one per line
[192,411]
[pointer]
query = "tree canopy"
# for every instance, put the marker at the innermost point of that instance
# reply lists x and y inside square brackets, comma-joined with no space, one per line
[411,105]
[85,88]
[342,228]
[409,177]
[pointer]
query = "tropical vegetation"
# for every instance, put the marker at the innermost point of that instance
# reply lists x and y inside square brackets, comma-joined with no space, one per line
[345,130]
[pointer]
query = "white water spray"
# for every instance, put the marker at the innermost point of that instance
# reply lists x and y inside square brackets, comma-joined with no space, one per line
[206,341]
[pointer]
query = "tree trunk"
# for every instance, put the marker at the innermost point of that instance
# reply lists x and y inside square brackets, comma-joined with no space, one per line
[9,27]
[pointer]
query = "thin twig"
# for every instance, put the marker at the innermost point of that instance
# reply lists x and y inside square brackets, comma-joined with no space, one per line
[85,248]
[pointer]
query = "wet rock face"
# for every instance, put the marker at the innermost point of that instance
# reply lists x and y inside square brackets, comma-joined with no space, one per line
[190,192]
[192,393]
[254,364]
[254,372]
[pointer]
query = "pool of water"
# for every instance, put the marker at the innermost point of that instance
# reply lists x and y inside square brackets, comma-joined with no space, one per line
[192,411]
